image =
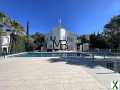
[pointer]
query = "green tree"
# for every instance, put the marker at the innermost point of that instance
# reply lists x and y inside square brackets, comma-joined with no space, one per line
[93,40]
[17,28]
[13,42]
[98,41]
[112,31]
[39,40]
[20,46]
[2,16]
[17,35]
[84,39]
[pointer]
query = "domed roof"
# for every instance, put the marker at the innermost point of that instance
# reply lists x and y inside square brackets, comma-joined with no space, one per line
[60,26]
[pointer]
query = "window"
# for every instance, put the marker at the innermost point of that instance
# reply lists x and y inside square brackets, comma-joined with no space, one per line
[68,39]
[50,37]
[54,37]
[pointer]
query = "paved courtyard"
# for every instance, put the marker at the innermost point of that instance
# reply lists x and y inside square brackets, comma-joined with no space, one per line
[41,74]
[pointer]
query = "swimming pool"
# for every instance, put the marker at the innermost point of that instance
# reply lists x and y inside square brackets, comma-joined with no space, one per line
[50,54]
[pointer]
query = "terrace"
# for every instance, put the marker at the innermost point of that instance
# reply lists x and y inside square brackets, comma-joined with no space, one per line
[55,73]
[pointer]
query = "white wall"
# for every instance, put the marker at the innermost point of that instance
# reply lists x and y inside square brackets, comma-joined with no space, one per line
[84,47]
[5,41]
[62,34]
[54,33]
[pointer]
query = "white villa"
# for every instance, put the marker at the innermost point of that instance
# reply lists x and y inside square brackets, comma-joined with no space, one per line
[61,39]
[5,38]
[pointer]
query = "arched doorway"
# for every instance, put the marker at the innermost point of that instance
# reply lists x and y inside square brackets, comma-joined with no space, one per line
[4,51]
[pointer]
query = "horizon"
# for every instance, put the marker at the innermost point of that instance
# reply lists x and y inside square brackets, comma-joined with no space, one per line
[80,16]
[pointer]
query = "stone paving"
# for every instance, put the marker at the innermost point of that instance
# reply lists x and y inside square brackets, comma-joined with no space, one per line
[40,74]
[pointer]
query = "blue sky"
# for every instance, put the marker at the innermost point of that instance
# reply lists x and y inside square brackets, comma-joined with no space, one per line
[80,16]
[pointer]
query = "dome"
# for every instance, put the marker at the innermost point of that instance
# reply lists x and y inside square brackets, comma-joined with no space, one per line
[62,33]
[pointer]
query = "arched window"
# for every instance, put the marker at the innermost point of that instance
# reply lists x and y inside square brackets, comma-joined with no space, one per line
[54,37]
[50,37]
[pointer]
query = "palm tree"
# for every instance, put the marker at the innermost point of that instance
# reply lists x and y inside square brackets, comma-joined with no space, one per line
[17,29]
[2,17]
[13,43]
[13,39]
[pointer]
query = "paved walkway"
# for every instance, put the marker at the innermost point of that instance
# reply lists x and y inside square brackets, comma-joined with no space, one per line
[41,74]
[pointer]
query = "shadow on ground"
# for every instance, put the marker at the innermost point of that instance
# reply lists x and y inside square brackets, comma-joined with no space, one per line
[87,62]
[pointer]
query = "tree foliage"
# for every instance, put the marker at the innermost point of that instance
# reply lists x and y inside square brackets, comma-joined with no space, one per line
[39,40]
[112,31]
[17,40]
[98,41]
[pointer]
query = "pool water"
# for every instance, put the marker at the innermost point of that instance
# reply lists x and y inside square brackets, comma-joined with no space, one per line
[49,54]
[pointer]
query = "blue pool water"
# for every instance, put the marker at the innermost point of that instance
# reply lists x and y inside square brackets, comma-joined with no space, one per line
[60,54]
[49,54]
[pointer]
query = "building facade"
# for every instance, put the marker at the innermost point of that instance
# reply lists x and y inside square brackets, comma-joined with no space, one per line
[4,38]
[61,39]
